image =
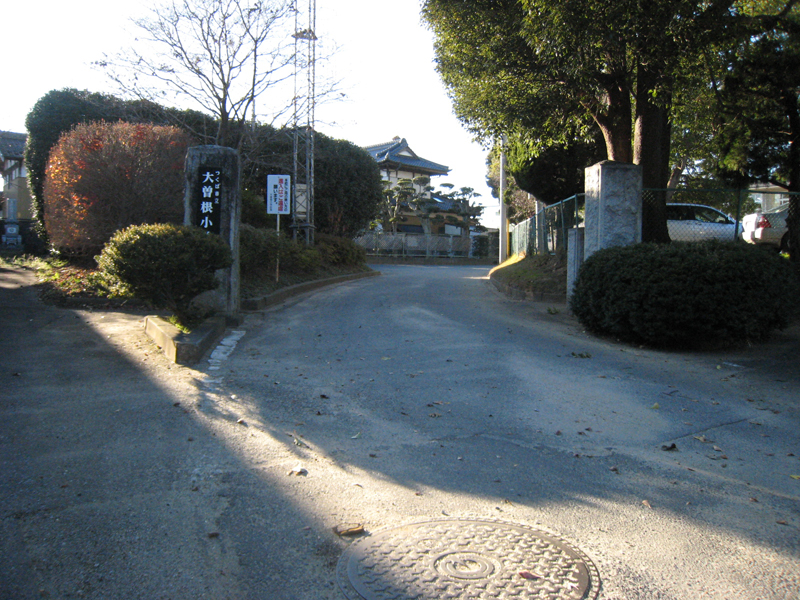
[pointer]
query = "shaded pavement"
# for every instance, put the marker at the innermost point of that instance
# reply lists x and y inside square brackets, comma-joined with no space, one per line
[422,393]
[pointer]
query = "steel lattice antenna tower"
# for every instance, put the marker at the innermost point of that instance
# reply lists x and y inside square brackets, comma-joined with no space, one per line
[304,123]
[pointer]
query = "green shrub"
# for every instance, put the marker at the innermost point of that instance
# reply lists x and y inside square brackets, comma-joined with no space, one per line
[165,265]
[259,248]
[337,251]
[685,294]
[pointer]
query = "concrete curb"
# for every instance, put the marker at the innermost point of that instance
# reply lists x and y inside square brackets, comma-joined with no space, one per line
[188,348]
[253,304]
[518,294]
[184,348]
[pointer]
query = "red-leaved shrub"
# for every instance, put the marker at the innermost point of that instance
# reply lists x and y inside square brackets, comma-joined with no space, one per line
[102,177]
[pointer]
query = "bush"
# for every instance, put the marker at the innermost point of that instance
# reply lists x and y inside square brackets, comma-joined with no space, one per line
[103,177]
[685,294]
[58,111]
[165,265]
[259,248]
[336,251]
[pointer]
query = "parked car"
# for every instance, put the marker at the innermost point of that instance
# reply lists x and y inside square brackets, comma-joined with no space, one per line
[696,223]
[767,228]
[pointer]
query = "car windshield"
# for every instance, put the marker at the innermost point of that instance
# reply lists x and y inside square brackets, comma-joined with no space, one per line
[777,209]
[709,215]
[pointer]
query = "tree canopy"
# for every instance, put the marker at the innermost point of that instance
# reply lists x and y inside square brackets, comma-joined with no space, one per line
[217,55]
[543,71]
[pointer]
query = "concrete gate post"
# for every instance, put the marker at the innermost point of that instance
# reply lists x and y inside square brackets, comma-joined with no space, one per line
[613,206]
[212,201]
[613,213]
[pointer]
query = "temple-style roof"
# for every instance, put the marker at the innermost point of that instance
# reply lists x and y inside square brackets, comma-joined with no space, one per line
[12,145]
[396,155]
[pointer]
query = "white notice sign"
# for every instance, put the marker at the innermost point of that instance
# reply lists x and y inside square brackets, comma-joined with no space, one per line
[279,189]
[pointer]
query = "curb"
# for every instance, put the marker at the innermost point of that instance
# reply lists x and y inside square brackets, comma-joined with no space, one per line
[517,294]
[188,348]
[253,304]
[184,348]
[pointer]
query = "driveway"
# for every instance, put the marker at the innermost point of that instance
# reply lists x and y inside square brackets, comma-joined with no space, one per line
[419,395]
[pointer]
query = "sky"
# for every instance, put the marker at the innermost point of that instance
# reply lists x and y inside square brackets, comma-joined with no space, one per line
[381,55]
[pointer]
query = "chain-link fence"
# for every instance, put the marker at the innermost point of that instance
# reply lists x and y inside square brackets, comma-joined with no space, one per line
[381,243]
[546,232]
[757,216]
[695,215]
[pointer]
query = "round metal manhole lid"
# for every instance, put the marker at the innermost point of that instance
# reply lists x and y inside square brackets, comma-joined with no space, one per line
[465,558]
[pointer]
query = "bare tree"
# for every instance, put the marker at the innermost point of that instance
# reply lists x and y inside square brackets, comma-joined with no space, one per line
[217,55]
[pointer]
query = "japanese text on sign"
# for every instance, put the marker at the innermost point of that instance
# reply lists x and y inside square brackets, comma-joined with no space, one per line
[278,194]
[209,209]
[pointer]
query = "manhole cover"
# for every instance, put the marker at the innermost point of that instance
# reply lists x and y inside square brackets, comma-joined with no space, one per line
[464,558]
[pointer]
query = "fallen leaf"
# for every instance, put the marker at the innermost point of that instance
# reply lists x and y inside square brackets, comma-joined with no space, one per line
[298,470]
[795,476]
[528,575]
[356,436]
[702,438]
[656,406]
[614,469]
[348,529]
[647,504]
[717,448]
[299,443]
[781,522]
[240,421]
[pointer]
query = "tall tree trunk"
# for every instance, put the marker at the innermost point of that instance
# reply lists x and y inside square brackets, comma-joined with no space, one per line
[615,123]
[651,153]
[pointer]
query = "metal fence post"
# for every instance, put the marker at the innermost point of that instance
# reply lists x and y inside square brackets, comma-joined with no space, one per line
[738,215]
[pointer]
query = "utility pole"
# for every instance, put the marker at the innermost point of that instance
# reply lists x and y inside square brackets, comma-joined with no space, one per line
[503,211]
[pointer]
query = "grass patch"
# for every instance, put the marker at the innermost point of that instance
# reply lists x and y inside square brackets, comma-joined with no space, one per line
[63,280]
[541,273]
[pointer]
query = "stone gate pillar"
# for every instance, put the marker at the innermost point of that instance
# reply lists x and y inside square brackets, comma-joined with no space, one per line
[613,213]
[212,201]
[613,206]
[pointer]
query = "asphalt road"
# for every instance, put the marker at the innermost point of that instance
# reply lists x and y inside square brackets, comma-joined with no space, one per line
[421,393]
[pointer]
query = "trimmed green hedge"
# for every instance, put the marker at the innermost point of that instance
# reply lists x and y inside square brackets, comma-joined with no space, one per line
[258,249]
[165,265]
[686,294]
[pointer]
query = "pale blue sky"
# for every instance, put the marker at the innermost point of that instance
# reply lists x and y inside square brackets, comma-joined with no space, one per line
[384,62]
